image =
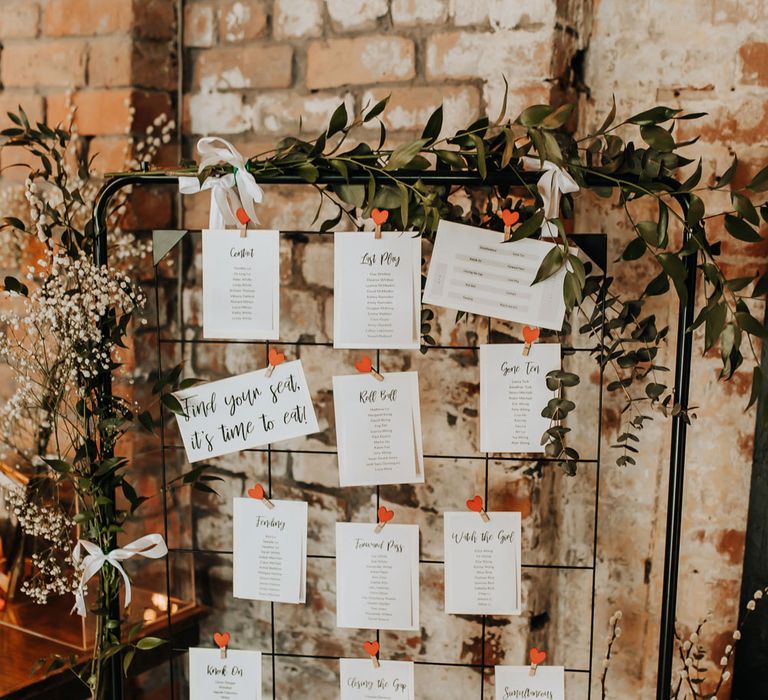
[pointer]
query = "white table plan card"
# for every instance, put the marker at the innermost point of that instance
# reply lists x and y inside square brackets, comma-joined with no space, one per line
[474,270]
[241,285]
[513,393]
[245,411]
[237,677]
[378,429]
[517,683]
[377,290]
[377,576]
[483,575]
[360,680]
[270,550]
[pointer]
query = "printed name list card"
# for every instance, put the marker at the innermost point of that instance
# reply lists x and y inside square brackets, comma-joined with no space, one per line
[513,393]
[377,576]
[270,550]
[516,683]
[245,411]
[241,285]
[482,564]
[378,429]
[360,680]
[238,677]
[473,270]
[377,289]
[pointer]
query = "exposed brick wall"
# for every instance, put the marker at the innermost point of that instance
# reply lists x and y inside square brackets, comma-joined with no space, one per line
[251,68]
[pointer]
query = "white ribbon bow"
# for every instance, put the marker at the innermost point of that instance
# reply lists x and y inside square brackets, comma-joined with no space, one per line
[553,182]
[150,546]
[228,192]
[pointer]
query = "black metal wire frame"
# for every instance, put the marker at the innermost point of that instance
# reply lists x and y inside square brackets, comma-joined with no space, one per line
[677,454]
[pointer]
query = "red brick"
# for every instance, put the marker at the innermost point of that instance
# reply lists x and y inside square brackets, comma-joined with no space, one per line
[154,19]
[754,63]
[110,61]
[19,20]
[87,17]
[107,112]
[44,64]
[360,61]
[245,67]
[240,20]
[112,153]
[10,101]
[199,25]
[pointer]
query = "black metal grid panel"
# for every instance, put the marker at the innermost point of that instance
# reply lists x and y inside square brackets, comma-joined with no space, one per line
[274,653]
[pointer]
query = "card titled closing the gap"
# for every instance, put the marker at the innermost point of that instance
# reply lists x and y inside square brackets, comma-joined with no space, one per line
[361,680]
[378,429]
[377,576]
[513,393]
[517,683]
[244,411]
[241,285]
[270,550]
[474,270]
[482,564]
[238,677]
[377,290]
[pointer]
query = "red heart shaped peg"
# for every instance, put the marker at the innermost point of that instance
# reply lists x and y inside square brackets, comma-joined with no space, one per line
[385,514]
[276,358]
[475,504]
[537,656]
[242,217]
[379,216]
[371,648]
[510,218]
[221,639]
[531,334]
[364,364]
[256,492]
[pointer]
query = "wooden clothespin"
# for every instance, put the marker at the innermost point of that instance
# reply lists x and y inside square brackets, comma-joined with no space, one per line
[257,492]
[244,219]
[275,358]
[476,505]
[372,649]
[379,217]
[537,657]
[365,366]
[530,336]
[222,641]
[385,515]
[509,218]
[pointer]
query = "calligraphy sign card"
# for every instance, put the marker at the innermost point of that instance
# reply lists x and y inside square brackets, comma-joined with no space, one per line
[360,680]
[245,411]
[474,270]
[482,564]
[238,677]
[377,576]
[513,393]
[516,683]
[378,429]
[241,285]
[270,550]
[377,290]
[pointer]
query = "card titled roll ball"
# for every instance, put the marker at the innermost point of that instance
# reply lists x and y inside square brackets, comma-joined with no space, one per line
[513,393]
[270,550]
[238,677]
[241,285]
[474,270]
[378,429]
[517,683]
[377,576]
[482,564]
[244,411]
[360,680]
[377,290]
